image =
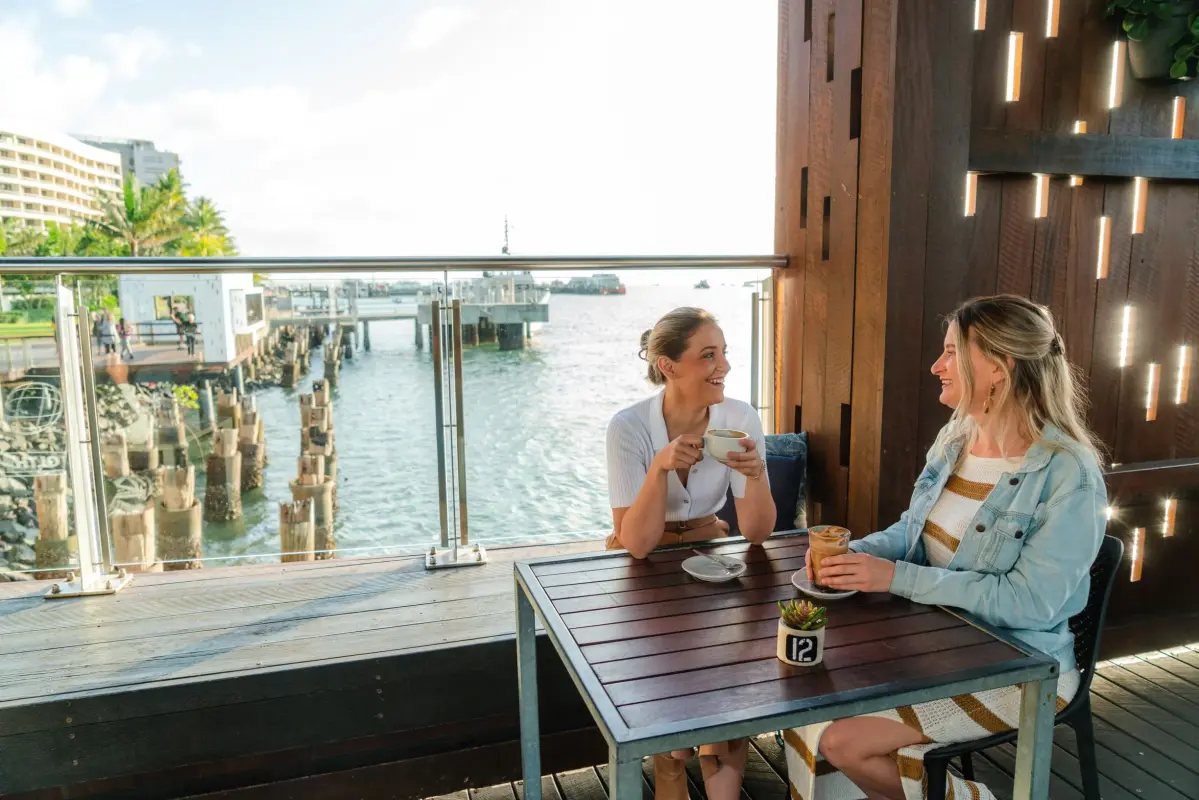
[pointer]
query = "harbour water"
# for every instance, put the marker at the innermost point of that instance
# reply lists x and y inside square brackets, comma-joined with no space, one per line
[535,421]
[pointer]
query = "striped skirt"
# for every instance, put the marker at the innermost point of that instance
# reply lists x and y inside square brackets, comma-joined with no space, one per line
[956,719]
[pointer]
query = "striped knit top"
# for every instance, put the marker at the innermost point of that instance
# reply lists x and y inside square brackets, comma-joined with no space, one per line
[963,495]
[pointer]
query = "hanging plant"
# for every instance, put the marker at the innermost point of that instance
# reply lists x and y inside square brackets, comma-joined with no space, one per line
[1163,36]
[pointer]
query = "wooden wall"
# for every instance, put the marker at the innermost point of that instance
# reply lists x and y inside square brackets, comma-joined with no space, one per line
[915,100]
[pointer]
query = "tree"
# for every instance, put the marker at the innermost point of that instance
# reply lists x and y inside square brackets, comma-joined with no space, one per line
[207,234]
[146,220]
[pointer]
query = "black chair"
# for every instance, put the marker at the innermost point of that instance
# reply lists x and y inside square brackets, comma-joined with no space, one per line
[1087,626]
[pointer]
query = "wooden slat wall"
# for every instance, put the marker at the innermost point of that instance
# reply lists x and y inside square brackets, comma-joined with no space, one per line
[911,254]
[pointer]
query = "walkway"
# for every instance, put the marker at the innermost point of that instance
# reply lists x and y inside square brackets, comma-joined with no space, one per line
[1146,712]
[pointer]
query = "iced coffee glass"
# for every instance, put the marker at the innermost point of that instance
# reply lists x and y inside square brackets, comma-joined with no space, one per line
[825,541]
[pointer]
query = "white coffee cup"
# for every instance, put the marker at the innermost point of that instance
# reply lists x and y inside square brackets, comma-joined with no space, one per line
[720,443]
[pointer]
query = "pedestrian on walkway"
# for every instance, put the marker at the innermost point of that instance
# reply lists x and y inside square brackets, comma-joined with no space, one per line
[125,330]
[108,333]
[189,333]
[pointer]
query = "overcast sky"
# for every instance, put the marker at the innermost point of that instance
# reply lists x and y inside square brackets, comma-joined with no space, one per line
[406,127]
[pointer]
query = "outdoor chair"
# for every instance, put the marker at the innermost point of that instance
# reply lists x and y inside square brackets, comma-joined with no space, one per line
[1087,626]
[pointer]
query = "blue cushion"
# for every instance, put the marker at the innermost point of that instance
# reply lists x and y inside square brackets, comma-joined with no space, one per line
[787,463]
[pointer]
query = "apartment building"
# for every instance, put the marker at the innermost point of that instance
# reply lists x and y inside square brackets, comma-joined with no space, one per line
[139,158]
[46,177]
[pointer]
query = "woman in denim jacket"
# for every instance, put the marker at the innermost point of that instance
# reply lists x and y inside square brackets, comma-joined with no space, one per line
[1004,522]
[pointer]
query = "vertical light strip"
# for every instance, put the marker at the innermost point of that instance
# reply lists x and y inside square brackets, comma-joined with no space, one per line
[1115,90]
[980,15]
[1105,247]
[1180,110]
[971,193]
[1053,10]
[1139,192]
[1040,208]
[1182,389]
[1169,515]
[1152,387]
[1126,337]
[1137,553]
[1015,54]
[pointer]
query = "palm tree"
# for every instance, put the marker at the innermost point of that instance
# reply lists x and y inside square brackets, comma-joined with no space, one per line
[207,234]
[147,220]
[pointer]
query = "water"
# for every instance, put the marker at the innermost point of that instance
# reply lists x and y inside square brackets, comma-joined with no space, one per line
[535,422]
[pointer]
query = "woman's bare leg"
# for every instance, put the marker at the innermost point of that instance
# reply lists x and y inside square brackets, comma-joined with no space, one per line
[723,776]
[861,748]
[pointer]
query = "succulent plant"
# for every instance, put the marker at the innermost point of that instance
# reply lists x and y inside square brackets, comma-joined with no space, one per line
[803,615]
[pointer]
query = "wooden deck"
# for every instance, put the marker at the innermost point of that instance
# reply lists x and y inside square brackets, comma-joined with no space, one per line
[1146,712]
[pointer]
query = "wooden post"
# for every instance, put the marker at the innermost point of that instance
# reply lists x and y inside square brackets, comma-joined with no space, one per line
[291,366]
[134,539]
[51,548]
[312,484]
[115,451]
[228,412]
[171,441]
[222,497]
[297,531]
[143,455]
[252,446]
[207,409]
[178,519]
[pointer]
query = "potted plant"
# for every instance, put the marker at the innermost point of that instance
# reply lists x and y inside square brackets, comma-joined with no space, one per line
[801,633]
[1163,35]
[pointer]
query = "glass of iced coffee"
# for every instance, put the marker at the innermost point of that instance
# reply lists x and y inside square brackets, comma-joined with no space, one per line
[825,541]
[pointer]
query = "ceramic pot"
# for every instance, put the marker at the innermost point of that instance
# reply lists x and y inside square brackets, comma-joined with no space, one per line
[800,648]
[1151,57]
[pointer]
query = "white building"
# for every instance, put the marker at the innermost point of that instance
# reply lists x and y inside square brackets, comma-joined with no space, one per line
[48,177]
[228,308]
[139,158]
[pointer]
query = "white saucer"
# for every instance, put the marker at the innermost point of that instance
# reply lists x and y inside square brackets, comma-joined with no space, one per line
[705,569]
[804,584]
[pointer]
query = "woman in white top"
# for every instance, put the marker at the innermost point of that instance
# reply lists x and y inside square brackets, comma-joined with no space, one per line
[664,491]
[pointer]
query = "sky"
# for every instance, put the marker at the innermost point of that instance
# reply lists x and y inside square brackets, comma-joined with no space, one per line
[413,127]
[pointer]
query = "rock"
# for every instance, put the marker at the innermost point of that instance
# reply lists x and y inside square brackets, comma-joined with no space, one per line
[22,552]
[5,446]
[9,575]
[11,532]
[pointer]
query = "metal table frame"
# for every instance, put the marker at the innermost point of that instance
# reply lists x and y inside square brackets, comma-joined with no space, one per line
[628,746]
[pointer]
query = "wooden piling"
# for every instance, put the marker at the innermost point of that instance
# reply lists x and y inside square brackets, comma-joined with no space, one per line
[222,496]
[51,549]
[291,367]
[297,531]
[207,407]
[228,411]
[115,452]
[171,439]
[143,454]
[134,539]
[177,517]
[251,443]
[312,484]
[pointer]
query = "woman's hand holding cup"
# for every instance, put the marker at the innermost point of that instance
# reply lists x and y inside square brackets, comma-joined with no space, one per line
[748,462]
[683,453]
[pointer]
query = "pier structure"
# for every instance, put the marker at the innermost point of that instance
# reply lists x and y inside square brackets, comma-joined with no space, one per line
[495,308]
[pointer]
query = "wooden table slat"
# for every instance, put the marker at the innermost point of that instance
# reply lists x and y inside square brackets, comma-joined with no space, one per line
[666,594]
[772,670]
[765,645]
[764,623]
[649,568]
[676,608]
[675,577]
[618,559]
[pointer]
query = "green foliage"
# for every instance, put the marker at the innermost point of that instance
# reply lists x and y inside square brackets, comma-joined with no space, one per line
[803,615]
[187,396]
[1138,18]
[11,317]
[31,303]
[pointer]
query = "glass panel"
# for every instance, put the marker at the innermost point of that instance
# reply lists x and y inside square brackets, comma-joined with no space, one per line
[539,396]
[166,400]
[37,529]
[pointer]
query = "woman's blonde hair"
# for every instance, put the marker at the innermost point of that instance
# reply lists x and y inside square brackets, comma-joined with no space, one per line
[668,338]
[1041,386]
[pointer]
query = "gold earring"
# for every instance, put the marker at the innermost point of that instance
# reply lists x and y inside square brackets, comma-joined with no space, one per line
[987,405]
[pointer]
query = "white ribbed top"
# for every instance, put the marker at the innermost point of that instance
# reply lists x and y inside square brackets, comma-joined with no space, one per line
[963,495]
[637,433]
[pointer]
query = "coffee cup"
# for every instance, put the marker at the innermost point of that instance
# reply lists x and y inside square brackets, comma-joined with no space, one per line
[825,541]
[719,443]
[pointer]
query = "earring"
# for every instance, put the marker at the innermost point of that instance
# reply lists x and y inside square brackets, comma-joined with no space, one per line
[987,405]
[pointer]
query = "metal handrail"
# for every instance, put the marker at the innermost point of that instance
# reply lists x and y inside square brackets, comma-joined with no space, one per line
[189,265]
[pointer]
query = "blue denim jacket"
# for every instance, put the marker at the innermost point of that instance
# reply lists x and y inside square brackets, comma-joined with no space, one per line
[1024,562]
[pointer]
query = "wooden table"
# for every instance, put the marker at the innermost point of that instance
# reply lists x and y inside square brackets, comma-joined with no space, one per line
[665,661]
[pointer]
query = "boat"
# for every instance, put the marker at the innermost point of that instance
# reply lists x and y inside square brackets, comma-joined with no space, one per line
[702,285]
[604,284]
